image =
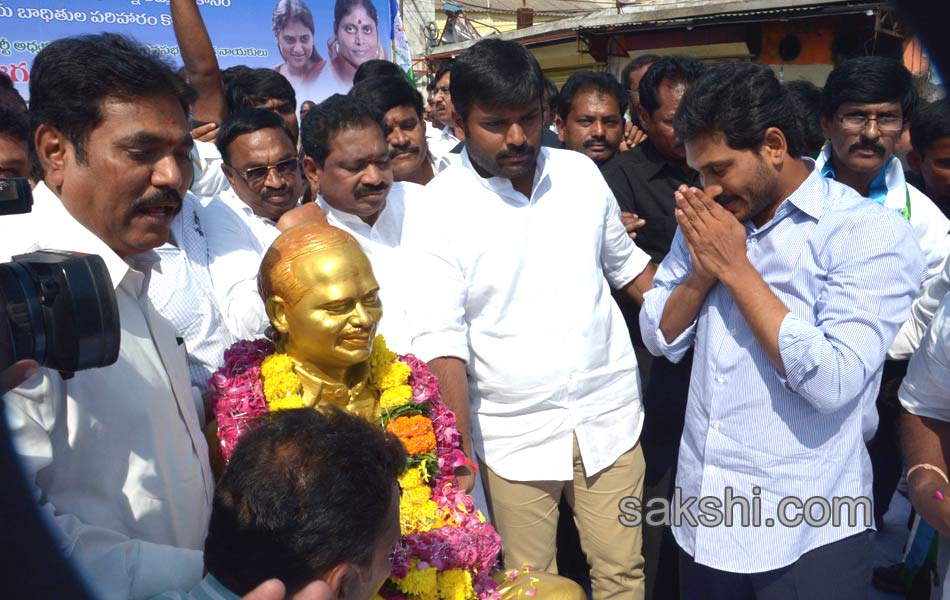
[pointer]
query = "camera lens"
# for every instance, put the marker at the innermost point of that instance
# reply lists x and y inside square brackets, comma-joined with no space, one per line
[22,332]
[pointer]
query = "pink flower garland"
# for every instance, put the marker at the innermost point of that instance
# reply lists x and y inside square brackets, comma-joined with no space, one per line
[238,397]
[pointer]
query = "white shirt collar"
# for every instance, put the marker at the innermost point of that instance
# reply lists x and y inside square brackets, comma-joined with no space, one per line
[502,185]
[61,231]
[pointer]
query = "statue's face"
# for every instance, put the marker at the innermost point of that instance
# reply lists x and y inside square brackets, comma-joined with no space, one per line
[332,325]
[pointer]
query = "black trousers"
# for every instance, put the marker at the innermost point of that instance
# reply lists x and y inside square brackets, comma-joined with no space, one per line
[885,449]
[837,571]
[664,408]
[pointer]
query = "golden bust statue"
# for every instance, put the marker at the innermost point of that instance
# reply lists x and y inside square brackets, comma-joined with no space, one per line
[323,301]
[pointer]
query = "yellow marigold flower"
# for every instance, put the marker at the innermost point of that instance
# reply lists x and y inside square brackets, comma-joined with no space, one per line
[418,582]
[395,397]
[393,375]
[380,357]
[455,584]
[413,478]
[276,363]
[417,516]
[287,402]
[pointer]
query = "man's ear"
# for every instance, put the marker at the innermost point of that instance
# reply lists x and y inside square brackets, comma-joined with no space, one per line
[54,152]
[459,125]
[560,126]
[278,311]
[312,171]
[335,578]
[644,115]
[914,160]
[825,123]
[231,174]
[774,145]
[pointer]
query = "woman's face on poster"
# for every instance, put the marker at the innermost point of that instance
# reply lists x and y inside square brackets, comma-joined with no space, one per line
[295,41]
[357,36]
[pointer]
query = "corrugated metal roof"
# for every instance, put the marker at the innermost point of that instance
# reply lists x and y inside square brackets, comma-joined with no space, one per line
[656,13]
[541,7]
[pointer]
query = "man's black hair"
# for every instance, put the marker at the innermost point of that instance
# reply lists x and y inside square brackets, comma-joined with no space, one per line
[228,75]
[679,69]
[552,92]
[739,101]
[71,77]
[446,67]
[382,94]
[15,124]
[254,87]
[869,80]
[9,95]
[806,96]
[305,491]
[584,81]
[496,73]
[372,69]
[633,65]
[245,121]
[343,8]
[930,123]
[336,113]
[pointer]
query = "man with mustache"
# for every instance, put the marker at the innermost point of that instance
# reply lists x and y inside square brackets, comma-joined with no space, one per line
[441,145]
[260,161]
[116,455]
[589,118]
[346,152]
[401,107]
[866,104]
[517,249]
[789,287]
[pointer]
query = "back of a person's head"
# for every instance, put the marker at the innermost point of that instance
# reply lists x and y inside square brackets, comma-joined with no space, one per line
[637,63]
[228,75]
[587,81]
[9,96]
[71,77]
[806,97]
[382,94]
[15,124]
[254,87]
[244,121]
[677,69]
[335,114]
[376,68]
[444,68]
[305,491]
[497,74]
[931,122]
[739,101]
[869,80]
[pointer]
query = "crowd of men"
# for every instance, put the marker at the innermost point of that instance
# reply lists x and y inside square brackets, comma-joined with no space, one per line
[690,284]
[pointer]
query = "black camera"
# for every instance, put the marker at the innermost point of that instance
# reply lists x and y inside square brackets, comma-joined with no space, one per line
[57,308]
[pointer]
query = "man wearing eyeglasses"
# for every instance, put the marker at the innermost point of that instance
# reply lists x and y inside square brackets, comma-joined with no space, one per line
[866,104]
[260,162]
[441,145]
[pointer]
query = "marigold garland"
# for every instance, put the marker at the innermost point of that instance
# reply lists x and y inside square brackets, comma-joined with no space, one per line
[448,551]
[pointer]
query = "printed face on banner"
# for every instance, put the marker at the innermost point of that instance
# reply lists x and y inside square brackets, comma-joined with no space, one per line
[317,55]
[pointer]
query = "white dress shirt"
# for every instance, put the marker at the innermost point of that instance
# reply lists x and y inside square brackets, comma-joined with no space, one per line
[931,227]
[921,314]
[116,454]
[237,240]
[181,291]
[209,180]
[382,244]
[440,146]
[518,288]
[924,391]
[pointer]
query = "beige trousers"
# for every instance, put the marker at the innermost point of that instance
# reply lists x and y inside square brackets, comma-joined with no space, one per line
[525,513]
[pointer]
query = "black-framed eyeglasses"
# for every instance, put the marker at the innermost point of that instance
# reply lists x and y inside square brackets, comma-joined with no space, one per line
[442,89]
[257,175]
[856,122]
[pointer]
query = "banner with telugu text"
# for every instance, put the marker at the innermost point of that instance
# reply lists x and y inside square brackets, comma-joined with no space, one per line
[317,52]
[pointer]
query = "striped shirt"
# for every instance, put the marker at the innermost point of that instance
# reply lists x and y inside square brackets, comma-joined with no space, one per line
[847,270]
